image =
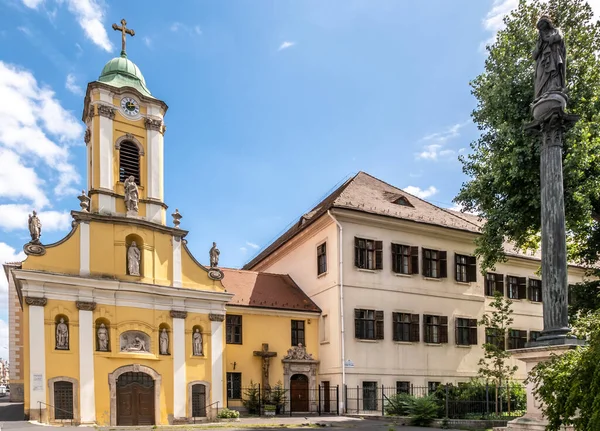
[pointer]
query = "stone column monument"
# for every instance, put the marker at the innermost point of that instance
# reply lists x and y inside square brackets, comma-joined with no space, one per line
[550,123]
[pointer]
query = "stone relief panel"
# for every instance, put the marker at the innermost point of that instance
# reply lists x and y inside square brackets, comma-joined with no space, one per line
[135,341]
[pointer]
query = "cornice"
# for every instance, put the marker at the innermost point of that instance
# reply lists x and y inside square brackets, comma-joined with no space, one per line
[80,216]
[249,310]
[116,195]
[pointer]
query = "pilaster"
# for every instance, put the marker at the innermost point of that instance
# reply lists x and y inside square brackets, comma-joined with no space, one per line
[179,371]
[86,361]
[37,359]
[84,249]
[216,356]
[176,241]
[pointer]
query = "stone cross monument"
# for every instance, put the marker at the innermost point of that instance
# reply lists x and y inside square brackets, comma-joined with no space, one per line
[266,357]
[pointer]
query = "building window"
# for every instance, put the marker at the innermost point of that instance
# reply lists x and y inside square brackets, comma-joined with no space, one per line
[129,162]
[234,386]
[436,329]
[517,339]
[198,401]
[535,290]
[368,324]
[517,287]
[63,400]
[233,329]
[322,259]
[406,327]
[324,328]
[298,332]
[432,387]
[434,263]
[405,259]
[370,396]
[466,332]
[466,268]
[494,283]
[403,387]
[494,337]
[534,335]
[368,254]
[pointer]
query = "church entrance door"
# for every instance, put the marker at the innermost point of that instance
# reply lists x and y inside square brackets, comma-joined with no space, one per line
[299,393]
[135,399]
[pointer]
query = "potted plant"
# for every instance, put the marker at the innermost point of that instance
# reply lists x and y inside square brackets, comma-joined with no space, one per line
[270,409]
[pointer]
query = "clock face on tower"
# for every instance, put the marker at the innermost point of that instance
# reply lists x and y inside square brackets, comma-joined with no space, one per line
[129,106]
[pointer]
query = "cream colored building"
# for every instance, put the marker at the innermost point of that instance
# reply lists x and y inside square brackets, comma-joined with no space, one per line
[399,288]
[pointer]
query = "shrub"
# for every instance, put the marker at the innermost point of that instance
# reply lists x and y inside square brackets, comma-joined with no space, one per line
[228,414]
[423,410]
[252,398]
[398,404]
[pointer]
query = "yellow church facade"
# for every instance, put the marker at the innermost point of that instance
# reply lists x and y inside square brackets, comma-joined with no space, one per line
[118,323]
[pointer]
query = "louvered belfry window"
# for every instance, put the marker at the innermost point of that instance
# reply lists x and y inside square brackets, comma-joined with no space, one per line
[129,162]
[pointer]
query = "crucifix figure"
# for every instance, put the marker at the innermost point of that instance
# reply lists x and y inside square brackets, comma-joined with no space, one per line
[266,357]
[124,30]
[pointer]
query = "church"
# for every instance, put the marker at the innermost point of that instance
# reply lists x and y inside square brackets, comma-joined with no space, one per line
[118,323]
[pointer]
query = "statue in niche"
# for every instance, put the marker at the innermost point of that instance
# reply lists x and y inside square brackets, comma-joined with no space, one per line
[62,335]
[133,259]
[132,195]
[35,228]
[102,335]
[550,56]
[197,343]
[214,256]
[137,345]
[164,342]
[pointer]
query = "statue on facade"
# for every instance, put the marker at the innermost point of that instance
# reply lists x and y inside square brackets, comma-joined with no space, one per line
[35,228]
[214,256]
[133,259]
[197,343]
[62,335]
[164,342]
[102,335]
[132,195]
[137,345]
[550,56]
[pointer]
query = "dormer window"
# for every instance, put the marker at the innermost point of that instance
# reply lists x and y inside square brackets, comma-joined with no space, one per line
[403,201]
[129,161]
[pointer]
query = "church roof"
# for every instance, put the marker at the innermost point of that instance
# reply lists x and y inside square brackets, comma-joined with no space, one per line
[265,290]
[368,194]
[122,72]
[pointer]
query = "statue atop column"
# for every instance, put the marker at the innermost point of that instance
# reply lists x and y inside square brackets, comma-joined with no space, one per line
[550,56]
[214,256]
[35,228]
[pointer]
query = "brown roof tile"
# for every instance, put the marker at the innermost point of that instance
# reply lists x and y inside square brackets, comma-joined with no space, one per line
[265,290]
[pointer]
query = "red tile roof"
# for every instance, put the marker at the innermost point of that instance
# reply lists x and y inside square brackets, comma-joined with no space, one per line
[265,290]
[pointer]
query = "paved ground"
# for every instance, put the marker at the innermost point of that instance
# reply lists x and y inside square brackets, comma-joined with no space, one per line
[11,420]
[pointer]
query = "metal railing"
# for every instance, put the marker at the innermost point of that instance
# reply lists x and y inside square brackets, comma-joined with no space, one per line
[55,408]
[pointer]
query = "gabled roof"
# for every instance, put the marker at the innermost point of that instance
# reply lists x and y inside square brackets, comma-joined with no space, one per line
[368,194]
[265,290]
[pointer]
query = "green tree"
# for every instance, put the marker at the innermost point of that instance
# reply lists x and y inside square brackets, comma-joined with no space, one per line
[493,366]
[504,184]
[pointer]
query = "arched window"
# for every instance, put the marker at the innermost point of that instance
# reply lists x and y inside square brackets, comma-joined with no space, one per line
[129,161]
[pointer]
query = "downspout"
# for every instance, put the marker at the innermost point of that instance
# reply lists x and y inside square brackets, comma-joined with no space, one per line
[343,345]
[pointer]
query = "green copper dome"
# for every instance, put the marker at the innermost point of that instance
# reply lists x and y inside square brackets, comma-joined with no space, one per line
[122,72]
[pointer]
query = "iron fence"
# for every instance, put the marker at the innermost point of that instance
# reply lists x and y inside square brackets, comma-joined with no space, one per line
[454,402]
[254,400]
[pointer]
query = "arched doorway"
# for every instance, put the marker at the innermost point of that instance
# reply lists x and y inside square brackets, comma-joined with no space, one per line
[299,393]
[135,399]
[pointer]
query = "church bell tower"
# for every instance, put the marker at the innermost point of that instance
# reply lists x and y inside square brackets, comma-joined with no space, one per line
[125,140]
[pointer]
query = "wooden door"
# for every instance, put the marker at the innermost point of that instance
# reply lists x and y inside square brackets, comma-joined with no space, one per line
[299,393]
[135,399]
[326,397]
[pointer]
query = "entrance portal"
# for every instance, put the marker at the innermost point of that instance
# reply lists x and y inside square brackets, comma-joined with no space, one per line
[135,399]
[299,393]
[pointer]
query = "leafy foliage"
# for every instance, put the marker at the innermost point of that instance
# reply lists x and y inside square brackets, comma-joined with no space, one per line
[252,399]
[493,366]
[398,405]
[228,414]
[423,411]
[504,185]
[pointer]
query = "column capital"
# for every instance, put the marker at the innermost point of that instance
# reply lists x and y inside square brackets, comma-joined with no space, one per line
[216,317]
[86,306]
[31,300]
[106,111]
[152,124]
[178,314]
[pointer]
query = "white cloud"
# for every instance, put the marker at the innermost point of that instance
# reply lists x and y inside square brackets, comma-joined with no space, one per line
[35,135]
[254,246]
[433,148]
[421,193]
[191,30]
[72,86]
[285,45]
[15,216]
[24,30]
[243,250]
[147,41]
[89,14]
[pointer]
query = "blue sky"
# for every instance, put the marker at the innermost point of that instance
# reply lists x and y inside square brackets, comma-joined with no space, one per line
[272,103]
